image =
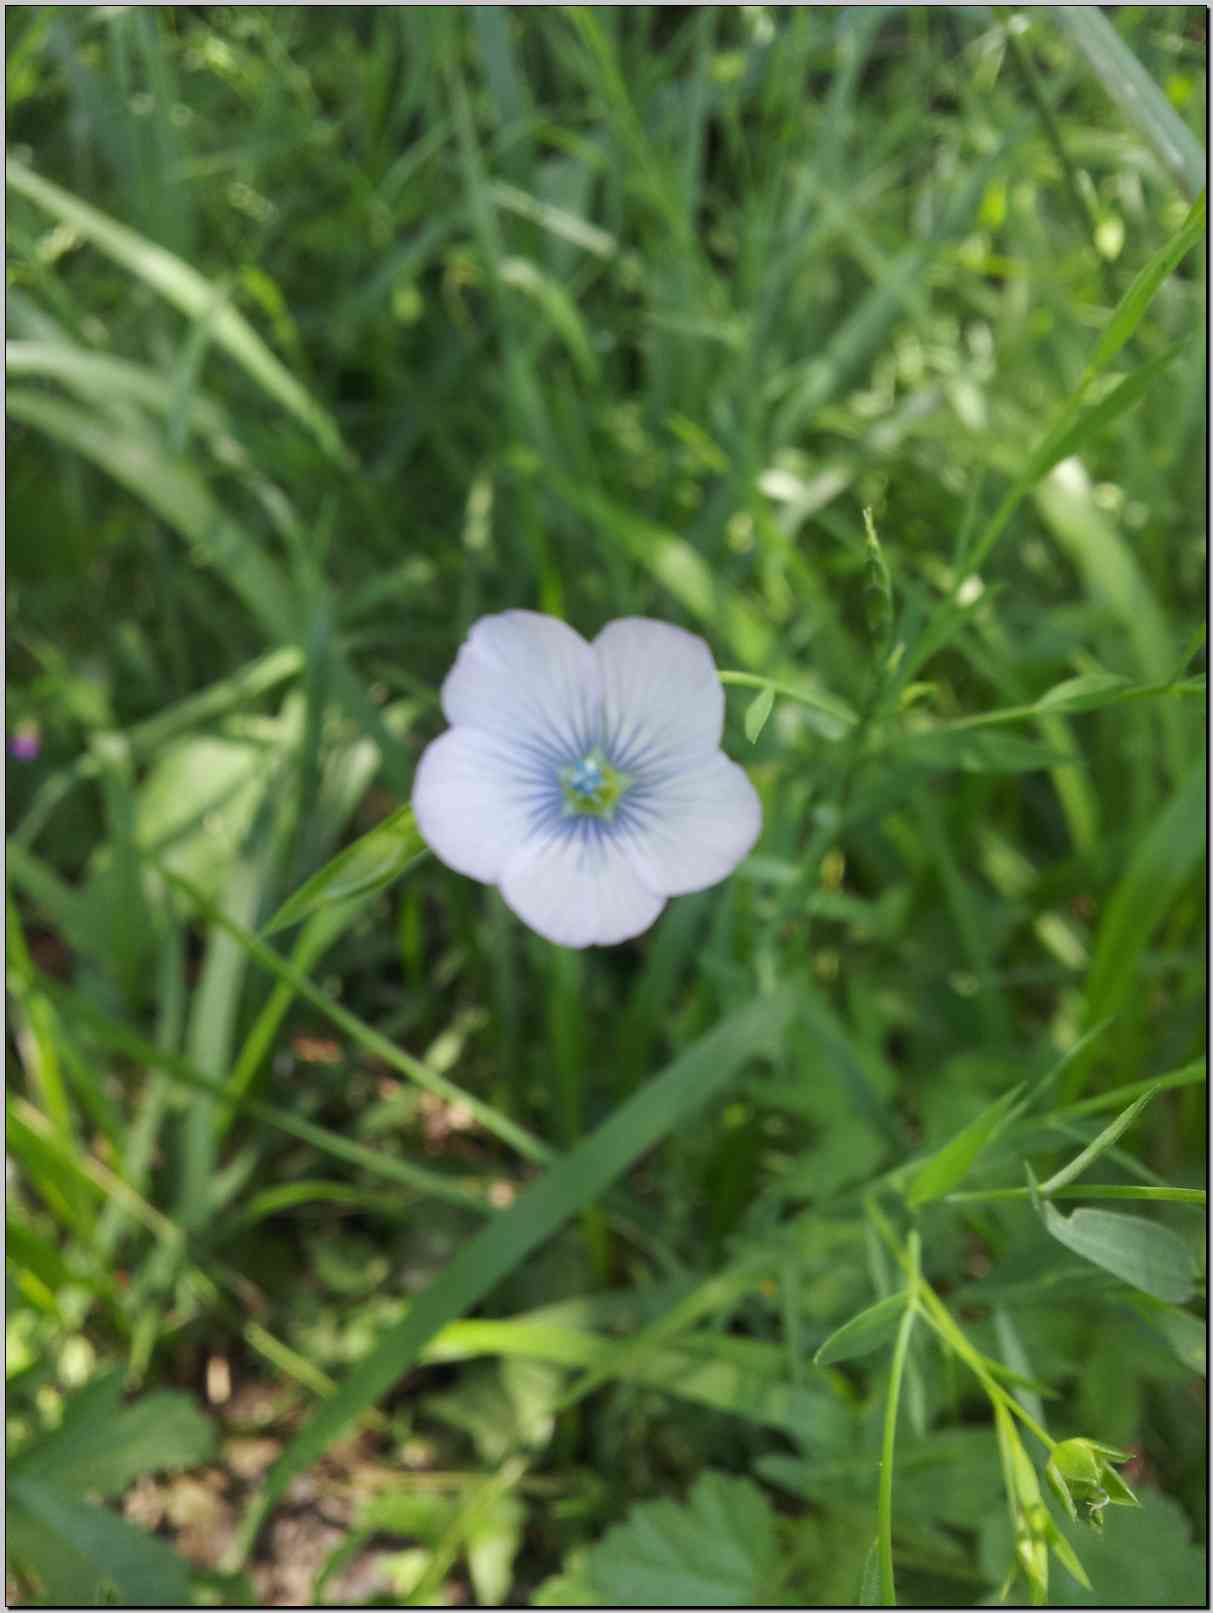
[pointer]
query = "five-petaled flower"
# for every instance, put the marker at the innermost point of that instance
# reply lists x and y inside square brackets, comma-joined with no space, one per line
[586,780]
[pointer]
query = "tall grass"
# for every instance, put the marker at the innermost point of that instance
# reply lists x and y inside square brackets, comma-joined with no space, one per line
[331,330]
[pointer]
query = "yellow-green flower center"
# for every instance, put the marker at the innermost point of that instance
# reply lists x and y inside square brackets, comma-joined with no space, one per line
[592,787]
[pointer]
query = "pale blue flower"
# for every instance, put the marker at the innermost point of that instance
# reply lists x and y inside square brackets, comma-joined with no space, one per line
[586,780]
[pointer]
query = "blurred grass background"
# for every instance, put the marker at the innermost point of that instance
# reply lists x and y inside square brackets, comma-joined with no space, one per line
[332,329]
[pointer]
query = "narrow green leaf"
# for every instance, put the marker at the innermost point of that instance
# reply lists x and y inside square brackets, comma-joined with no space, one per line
[757,714]
[1087,693]
[949,750]
[371,864]
[863,1333]
[118,1036]
[176,493]
[1140,294]
[1162,863]
[1134,91]
[413,1069]
[183,286]
[566,1187]
[1077,428]
[952,1163]
[1095,1148]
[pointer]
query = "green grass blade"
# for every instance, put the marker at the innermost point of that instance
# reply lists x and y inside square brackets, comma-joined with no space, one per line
[570,1185]
[530,1147]
[1158,870]
[1139,98]
[945,1169]
[177,495]
[187,290]
[120,1038]
[382,856]
[1095,1148]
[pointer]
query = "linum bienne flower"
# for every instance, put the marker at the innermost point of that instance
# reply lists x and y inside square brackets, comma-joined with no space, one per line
[585,780]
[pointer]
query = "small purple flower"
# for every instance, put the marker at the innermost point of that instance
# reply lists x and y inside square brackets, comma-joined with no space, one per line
[586,780]
[24,747]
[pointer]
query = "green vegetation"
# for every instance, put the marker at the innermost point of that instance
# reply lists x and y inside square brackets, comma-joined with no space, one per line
[839,1241]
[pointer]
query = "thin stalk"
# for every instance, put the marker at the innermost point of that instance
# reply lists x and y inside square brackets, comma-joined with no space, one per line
[888,1591]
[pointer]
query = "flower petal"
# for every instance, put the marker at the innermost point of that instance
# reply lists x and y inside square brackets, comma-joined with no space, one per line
[663,701]
[529,678]
[473,802]
[579,889]
[692,829]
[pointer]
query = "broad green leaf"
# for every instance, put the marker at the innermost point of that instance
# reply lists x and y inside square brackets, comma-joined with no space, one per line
[566,1187]
[1145,1557]
[372,863]
[87,1556]
[719,1549]
[1141,1253]
[863,1333]
[197,805]
[1185,1333]
[1095,1148]
[183,286]
[757,713]
[102,1445]
[952,1163]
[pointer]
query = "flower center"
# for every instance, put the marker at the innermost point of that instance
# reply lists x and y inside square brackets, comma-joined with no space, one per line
[592,787]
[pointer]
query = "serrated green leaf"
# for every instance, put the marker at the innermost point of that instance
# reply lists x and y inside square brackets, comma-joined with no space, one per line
[720,1549]
[952,1163]
[862,1333]
[372,863]
[102,1445]
[757,714]
[1147,1256]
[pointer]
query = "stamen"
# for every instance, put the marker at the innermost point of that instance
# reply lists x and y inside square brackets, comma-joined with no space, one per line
[592,787]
